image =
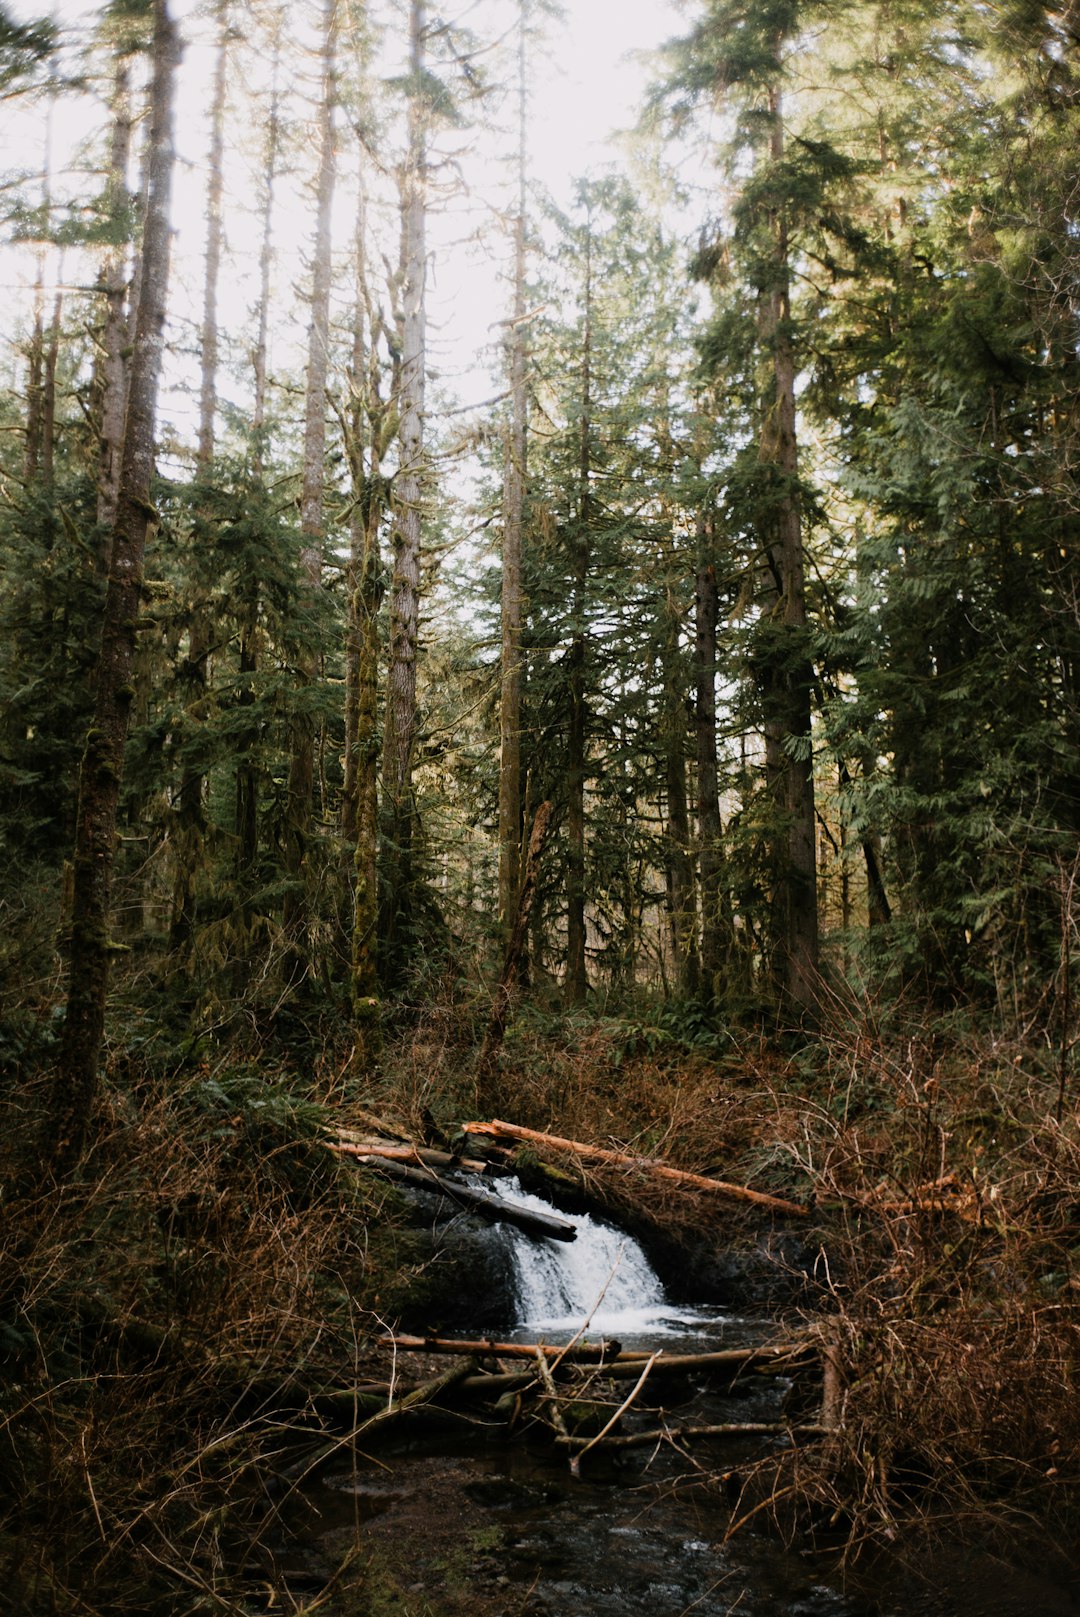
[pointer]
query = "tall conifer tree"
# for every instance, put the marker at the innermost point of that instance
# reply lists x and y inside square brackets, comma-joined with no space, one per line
[103,760]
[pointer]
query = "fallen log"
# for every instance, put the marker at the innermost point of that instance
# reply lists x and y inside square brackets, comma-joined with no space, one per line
[620,1159]
[415,1398]
[761,1359]
[476,1201]
[965,1205]
[499,1381]
[374,1396]
[485,1347]
[387,1131]
[421,1155]
[608,1355]
[661,1434]
[776,1356]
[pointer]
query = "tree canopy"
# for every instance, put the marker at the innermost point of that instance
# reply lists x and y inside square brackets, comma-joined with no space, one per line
[771,508]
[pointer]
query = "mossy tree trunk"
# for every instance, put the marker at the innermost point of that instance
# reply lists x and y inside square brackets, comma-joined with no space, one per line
[103,759]
[512,603]
[786,672]
[246,807]
[577,976]
[399,808]
[360,803]
[111,365]
[716,927]
[189,826]
[312,518]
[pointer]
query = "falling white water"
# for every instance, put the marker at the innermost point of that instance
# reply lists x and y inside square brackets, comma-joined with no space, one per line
[603,1278]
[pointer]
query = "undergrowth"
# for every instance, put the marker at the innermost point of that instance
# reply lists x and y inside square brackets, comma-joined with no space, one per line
[943,1196]
[169,1318]
[165,1320]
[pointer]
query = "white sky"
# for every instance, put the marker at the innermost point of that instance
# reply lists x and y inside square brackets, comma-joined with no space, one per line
[591,84]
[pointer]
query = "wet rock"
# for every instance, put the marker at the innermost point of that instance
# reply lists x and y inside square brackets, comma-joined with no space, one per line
[510,1493]
[769,1272]
[449,1272]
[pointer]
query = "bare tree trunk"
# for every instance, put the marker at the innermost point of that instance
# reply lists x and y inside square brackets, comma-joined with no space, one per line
[511,669]
[788,675]
[716,928]
[189,826]
[111,367]
[246,811]
[302,765]
[33,452]
[683,899]
[515,946]
[577,979]
[266,258]
[103,760]
[365,948]
[409,490]
[354,424]
[48,391]
[215,232]
[360,808]
[34,368]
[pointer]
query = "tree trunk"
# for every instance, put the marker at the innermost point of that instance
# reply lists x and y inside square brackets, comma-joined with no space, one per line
[787,673]
[621,1159]
[246,812]
[111,366]
[34,375]
[515,946]
[683,899]
[360,808]
[189,825]
[103,759]
[716,927]
[302,765]
[266,257]
[48,392]
[577,979]
[398,899]
[512,606]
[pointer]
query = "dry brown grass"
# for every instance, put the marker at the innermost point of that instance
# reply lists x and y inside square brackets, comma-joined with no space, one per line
[165,1318]
[164,1321]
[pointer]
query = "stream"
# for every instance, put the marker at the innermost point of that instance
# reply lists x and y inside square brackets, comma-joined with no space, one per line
[472,1524]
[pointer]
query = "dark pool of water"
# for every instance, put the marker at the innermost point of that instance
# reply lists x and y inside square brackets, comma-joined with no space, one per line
[504,1531]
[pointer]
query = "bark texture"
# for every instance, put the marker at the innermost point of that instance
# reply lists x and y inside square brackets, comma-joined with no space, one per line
[103,758]
[111,364]
[682,896]
[577,977]
[312,529]
[512,604]
[786,673]
[360,808]
[399,810]
[189,828]
[716,922]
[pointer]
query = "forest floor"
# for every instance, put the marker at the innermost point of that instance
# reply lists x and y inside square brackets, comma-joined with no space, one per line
[171,1317]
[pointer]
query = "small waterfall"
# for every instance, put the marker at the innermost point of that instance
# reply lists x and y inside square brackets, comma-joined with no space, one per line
[603,1276]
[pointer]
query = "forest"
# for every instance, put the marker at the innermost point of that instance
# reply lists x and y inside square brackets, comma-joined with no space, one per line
[608,660]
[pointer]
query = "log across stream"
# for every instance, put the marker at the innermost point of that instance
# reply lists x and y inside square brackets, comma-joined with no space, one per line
[550,1470]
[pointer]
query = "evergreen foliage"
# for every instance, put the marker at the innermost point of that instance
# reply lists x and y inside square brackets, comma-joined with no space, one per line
[894,197]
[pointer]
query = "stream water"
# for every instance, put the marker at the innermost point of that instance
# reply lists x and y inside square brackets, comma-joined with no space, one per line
[602,1279]
[474,1525]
